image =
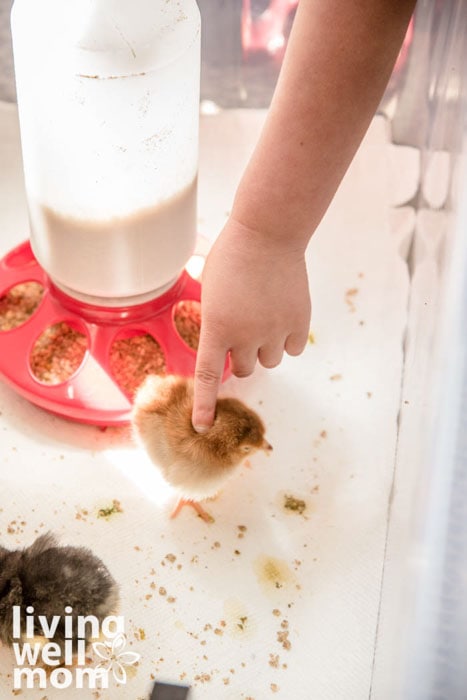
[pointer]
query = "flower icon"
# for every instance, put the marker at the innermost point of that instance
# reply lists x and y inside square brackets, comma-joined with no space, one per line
[114,657]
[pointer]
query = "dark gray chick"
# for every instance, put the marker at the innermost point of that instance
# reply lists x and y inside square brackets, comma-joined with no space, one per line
[50,577]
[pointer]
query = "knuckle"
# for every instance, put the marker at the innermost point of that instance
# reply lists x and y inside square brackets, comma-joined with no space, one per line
[207,376]
[295,348]
[242,372]
[294,352]
[271,357]
[270,363]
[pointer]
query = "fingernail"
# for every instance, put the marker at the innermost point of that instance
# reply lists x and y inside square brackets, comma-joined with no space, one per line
[201,428]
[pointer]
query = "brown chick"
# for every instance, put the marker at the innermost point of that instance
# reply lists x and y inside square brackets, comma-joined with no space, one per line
[50,577]
[196,465]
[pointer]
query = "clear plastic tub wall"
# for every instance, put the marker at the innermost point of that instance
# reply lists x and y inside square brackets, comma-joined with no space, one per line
[420,634]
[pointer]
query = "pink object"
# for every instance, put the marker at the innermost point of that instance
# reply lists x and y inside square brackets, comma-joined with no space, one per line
[403,53]
[91,394]
[267,32]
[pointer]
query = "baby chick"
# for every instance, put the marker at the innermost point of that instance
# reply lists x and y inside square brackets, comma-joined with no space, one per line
[196,465]
[50,577]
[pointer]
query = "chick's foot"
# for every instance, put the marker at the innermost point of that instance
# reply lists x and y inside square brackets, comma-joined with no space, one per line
[194,504]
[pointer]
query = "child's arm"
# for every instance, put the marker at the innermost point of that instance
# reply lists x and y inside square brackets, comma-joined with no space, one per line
[255,299]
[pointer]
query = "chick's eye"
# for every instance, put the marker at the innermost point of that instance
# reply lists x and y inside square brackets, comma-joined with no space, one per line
[246,448]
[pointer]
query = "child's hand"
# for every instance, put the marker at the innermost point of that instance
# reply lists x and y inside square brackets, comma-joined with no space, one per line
[255,304]
[255,299]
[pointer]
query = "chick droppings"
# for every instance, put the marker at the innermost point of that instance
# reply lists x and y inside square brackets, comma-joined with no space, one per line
[110,510]
[296,505]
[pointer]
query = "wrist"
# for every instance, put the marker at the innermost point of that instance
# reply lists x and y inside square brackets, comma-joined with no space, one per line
[270,221]
[259,246]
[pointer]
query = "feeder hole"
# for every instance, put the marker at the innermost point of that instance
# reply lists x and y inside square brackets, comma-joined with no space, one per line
[19,304]
[58,353]
[187,322]
[133,357]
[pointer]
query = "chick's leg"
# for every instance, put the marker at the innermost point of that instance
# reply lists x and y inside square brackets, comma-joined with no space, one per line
[194,504]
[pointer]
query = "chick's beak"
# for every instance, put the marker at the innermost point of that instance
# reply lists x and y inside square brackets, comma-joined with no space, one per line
[266,446]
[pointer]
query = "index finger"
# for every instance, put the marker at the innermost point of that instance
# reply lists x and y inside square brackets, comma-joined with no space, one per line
[210,362]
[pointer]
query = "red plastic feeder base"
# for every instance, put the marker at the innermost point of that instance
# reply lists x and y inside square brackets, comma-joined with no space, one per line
[92,394]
